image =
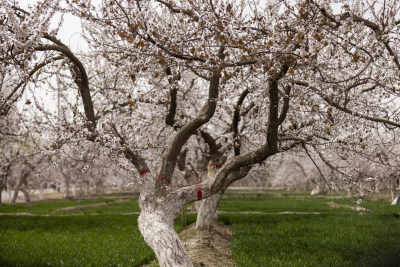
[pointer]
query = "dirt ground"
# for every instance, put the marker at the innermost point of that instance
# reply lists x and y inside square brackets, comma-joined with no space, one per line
[208,248]
[334,205]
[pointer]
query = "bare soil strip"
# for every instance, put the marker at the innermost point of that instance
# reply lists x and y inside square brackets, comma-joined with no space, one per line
[295,197]
[219,212]
[88,207]
[334,205]
[208,248]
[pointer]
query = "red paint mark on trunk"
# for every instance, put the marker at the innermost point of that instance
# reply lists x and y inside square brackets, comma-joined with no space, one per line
[199,192]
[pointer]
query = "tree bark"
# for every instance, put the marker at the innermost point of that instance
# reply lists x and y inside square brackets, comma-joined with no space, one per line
[9,191]
[26,193]
[207,209]
[21,182]
[350,190]
[67,185]
[157,228]
[41,192]
[208,212]
[1,192]
[393,186]
[15,195]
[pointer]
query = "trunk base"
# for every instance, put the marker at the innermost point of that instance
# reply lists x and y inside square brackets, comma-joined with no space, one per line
[158,232]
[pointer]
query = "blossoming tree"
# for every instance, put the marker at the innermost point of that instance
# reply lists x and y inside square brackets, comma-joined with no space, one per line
[162,77]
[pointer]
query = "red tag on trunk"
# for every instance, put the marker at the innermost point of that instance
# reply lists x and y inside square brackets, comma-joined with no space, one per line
[143,172]
[199,193]
[167,181]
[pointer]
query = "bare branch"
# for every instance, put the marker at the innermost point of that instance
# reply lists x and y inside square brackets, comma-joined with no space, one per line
[345,109]
[169,157]
[177,10]
[236,120]
[82,79]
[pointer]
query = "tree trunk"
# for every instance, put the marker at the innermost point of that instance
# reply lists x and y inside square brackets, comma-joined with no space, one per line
[87,187]
[321,189]
[3,184]
[16,189]
[1,192]
[378,186]
[80,189]
[41,192]
[393,186]
[67,194]
[15,195]
[157,228]
[22,181]
[26,193]
[350,190]
[208,214]
[9,191]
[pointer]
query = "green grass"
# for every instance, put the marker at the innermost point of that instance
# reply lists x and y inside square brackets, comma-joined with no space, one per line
[72,241]
[104,240]
[372,205]
[273,205]
[263,193]
[111,238]
[118,195]
[47,207]
[118,208]
[315,240]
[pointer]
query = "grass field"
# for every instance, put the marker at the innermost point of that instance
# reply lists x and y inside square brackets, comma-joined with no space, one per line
[47,207]
[104,240]
[71,241]
[315,240]
[106,236]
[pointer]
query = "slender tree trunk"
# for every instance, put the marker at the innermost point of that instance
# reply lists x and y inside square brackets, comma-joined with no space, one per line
[157,228]
[67,185]
[26,194]
[41,192]
[1,192]
[208,212]
[19,186]
[378,186]
[80,189]
[393,186]
[15,195]
[87,187]
[9,191]
[350,190]
[3,184]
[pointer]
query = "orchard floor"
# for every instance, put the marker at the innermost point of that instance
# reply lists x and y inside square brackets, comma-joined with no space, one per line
[209,248]
[257,228]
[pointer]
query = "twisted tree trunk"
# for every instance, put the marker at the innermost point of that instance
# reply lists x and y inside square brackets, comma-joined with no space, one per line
[157,228]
